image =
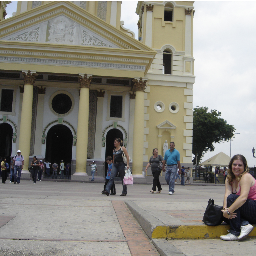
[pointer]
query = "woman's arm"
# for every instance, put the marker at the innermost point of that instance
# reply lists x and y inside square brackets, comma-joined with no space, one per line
[127,156]
[228,191]
[147,166]
[245,184]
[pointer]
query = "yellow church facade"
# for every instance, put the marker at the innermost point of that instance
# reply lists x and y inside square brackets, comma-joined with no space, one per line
[72,79]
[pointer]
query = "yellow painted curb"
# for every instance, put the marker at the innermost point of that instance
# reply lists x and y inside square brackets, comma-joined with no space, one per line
[191,232]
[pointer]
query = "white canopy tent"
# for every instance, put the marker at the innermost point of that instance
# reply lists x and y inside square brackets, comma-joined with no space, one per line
[221,159]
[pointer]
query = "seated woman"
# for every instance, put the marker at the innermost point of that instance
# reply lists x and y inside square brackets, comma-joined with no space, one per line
[239,204]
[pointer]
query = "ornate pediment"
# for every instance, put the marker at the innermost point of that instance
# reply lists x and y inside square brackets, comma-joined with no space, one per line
[166,125]
[62,34]
[65,23]
[60,30]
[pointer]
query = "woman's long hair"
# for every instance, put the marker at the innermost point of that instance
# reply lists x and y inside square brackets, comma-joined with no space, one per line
[231,177]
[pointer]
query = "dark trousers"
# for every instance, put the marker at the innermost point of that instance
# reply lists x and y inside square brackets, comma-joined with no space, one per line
[244,215]
[156,182]
[113,188]
[4,176]
[117,168]
[40,171]
[182,181]
[34,174]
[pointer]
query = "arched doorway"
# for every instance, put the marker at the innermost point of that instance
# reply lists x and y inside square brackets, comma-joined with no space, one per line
[111,135]
[59,144]
[6,141]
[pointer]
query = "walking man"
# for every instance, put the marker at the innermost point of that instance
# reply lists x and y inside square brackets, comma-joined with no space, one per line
[18,166]
[172,159]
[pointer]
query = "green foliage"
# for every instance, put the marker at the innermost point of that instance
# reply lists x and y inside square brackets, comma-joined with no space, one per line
[208,128]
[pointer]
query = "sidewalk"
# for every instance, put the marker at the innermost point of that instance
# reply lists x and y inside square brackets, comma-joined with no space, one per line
[72,218]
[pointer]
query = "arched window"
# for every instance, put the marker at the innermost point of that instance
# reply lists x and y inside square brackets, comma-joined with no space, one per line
[167,61]
[168,12]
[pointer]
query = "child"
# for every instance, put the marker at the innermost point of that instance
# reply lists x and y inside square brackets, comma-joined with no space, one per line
[113,188]
[93,169]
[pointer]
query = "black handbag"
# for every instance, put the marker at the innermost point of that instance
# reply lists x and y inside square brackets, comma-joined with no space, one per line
[213,215]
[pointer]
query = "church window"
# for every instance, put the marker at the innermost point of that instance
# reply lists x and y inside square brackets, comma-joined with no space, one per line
[6,100]
[168,12]
[167,62]
[174,107]
[61,103]
[159,106]
[116,106]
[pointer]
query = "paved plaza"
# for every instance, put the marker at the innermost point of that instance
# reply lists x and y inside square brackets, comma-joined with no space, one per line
[73,218]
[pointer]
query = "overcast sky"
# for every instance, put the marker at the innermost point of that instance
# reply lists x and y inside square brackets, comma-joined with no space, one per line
[225,64]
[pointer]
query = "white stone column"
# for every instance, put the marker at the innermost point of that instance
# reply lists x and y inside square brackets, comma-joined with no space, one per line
[188,32]
[26,117]
[82,129]
[149,25]
[131,124]
[138,133]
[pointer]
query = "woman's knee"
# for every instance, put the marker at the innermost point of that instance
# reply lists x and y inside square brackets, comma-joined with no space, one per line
[231,198]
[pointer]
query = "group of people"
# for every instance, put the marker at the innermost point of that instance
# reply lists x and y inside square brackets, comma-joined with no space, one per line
[169,164]
[37,169]
[15,168]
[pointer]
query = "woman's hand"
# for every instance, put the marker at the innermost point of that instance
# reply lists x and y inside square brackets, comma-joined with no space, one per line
[231,215]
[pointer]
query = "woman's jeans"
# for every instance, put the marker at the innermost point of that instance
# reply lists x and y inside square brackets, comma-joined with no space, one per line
[117,167]
[244,215]
[156,182]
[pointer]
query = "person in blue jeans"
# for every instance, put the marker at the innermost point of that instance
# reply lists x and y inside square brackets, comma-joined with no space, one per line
[18,166]
[239,205]
[172,160]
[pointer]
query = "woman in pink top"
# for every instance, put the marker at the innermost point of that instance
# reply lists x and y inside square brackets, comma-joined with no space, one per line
[239,204]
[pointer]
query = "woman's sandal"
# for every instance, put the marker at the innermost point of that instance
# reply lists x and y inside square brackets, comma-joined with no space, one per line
[152,191]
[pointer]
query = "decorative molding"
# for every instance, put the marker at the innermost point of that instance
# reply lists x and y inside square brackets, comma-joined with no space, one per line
[41,90]
[71,55]
[64,122]
[73,63]
[188,11]
[139,84]
[14,127]
[68,15]
[114,125]
[166,125]
[100,94]
[149,8]
[84,81]
[29,78]
[132,96]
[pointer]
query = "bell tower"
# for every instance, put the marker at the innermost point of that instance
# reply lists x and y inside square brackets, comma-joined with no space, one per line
[167,27]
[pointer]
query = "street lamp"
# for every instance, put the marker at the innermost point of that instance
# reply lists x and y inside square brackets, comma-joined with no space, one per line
[231,140]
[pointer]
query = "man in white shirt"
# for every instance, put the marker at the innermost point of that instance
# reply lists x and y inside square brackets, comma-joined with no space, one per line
[18,166]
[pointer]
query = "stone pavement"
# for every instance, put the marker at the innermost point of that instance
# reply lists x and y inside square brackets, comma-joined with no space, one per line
[73,218]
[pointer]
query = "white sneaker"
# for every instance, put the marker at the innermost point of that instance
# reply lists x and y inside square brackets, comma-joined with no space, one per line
[10,182]
[170,193]
[245,231]
[229,237]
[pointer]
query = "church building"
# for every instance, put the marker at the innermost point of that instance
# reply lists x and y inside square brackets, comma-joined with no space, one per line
[73,78]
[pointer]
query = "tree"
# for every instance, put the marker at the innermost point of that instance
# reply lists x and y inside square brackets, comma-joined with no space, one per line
[208,128]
